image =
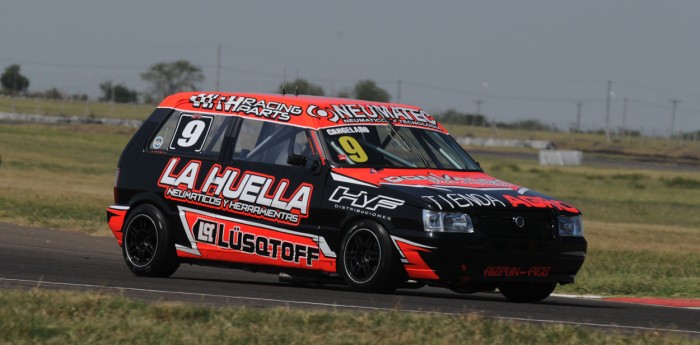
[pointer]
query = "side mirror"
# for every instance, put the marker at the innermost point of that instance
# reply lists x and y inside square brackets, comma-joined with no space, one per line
[296,160]
[316,165]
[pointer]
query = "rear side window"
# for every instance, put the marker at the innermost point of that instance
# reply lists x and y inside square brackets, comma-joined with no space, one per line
[193,134]
[268,142]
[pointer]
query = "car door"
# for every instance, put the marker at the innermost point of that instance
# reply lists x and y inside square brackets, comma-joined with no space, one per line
[273,207]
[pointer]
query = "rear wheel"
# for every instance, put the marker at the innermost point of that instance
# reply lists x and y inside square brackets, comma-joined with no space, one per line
[367,262]
[147,248]
[526,292]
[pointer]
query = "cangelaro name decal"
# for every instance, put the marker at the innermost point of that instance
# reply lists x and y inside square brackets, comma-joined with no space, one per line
[247,193]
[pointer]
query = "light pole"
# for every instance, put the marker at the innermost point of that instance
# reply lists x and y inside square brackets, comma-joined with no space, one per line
[674,103]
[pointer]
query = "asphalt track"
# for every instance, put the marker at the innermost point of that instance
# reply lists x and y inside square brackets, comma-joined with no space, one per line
[51,259]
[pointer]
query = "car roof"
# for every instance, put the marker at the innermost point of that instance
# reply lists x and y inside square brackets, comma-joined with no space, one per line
[304,111]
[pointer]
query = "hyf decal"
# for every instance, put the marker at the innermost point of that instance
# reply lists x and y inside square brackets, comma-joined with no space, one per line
[363,200]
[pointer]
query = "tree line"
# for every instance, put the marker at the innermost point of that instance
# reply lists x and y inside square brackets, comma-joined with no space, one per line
[166,78]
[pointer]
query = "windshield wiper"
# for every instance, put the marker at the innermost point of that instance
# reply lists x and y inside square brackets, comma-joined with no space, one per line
[403,142]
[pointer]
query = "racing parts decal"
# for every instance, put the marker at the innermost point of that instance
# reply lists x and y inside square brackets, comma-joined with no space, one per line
[246,105]
[228,189]
[236,240]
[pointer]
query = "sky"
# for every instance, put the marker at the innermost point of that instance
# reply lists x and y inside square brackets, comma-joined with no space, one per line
[519,59]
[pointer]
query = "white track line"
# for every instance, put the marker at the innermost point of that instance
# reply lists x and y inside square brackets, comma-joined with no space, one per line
[348,306]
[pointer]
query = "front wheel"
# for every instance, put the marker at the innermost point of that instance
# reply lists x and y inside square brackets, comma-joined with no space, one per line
[526,292]
[367,262]
[147,248]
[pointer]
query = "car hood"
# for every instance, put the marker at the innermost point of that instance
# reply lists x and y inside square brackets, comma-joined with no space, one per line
[449,190]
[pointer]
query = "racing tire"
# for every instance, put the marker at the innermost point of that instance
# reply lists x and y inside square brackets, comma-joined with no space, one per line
[147,248]
[526,292]
[367,261]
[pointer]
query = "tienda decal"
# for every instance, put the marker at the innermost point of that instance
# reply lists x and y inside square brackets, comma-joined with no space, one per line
[537,202]
[246,105]
[247,193]
[365,113]
[464,200]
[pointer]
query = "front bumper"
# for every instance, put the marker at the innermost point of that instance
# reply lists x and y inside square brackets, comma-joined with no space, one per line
[459,259]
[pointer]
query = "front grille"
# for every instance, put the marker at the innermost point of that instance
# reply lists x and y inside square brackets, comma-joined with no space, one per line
[504,236]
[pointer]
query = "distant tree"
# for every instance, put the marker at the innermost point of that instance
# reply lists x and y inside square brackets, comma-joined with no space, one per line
[53,93]
[369,91]
[303,86]
[78,97]
[12,81]
[167,78]
[529,124]
[344,93]
[454,116]
[121,93]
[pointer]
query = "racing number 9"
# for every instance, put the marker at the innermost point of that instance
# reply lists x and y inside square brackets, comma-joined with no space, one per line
[353,148]
[191,133]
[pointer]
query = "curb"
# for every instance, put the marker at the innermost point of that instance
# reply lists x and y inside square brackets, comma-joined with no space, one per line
[685,303]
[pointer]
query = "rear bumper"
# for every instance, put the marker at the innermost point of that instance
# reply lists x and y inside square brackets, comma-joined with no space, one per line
[116,215]
[457,259]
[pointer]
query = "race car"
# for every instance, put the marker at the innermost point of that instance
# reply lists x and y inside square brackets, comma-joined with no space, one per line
[375,195]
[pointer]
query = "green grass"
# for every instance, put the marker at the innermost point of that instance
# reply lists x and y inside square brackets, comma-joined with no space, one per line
[656,149]
[612,195]
[44,317]
[75,108]
[59,176]
[642,226]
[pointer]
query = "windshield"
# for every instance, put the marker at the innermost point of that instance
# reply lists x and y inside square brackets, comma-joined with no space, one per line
[382,146]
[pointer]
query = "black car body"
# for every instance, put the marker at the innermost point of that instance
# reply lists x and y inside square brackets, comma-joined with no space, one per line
[319,188]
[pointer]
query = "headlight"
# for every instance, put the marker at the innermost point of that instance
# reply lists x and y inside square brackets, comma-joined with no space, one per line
[570,226]
[438,221]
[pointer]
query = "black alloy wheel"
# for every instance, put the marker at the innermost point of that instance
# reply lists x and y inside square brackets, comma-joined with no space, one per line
[146,245]
[141,240]
[362,256]
[367,260]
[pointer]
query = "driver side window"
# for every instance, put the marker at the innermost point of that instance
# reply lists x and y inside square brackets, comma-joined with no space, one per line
[268,142]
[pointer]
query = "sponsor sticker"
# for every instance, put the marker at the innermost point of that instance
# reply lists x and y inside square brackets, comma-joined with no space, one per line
[246,105]
[517,271]
[248,193]
[242,241]
[157,142]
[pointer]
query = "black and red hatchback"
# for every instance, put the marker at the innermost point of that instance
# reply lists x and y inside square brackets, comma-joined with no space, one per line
[377,194]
